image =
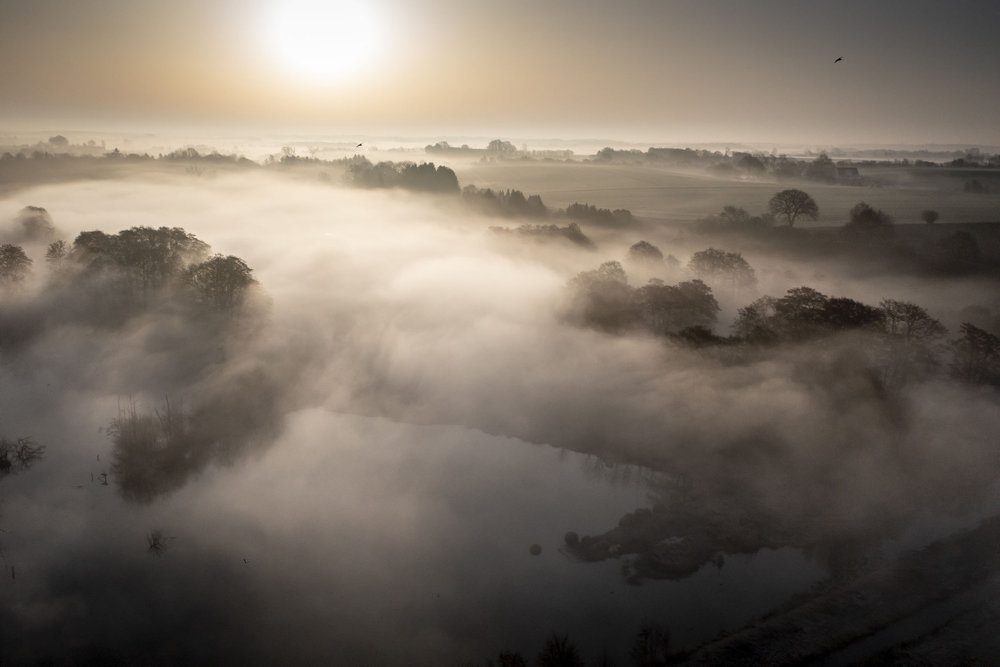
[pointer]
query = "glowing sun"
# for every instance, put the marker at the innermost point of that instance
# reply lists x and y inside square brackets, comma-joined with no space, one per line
[322,40]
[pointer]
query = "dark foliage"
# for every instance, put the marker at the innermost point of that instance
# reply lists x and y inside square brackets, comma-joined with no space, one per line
[504,203]
[792,204]
[869,222]
[721,267]
[559,652]
[19,454]
[220,283]
[603,299]
[142,259]
[157,453]
[801,314]
[34,224]
[15,265]
[644,252]
[570,232]
[821,169]
[669,309]
[599,216]
[423,177]
[976,356]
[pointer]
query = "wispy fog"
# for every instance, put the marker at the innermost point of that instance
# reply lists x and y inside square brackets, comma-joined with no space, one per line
[353,464]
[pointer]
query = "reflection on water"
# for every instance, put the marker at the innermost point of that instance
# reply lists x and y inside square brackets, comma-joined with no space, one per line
[352,540]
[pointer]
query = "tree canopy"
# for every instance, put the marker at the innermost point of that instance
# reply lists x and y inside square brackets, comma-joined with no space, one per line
[714,265]
[791,204]
[15,266]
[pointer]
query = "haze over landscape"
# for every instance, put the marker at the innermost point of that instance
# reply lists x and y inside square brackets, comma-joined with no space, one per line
[913,72]
[450,333]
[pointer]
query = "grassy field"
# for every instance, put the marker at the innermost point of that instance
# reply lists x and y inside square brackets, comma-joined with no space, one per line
[656,193]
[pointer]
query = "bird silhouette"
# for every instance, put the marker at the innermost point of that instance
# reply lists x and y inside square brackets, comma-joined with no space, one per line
[359,146]
[837,60]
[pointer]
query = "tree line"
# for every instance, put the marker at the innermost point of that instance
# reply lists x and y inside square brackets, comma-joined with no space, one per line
[909,341]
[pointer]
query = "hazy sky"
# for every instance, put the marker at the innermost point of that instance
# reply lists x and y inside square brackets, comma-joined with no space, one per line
[914,71]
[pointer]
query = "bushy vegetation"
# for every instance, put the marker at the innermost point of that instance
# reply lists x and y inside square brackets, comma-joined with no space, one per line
[19,454]
[904,342]
[424,177]
[197,300]
[504,203]
[15,265]
[571,233]
[599,216]
[603,299]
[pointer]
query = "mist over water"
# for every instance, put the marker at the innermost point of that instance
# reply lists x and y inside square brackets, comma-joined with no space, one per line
[406,406]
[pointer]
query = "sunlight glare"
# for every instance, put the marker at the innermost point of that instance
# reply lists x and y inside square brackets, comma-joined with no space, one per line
[323,40]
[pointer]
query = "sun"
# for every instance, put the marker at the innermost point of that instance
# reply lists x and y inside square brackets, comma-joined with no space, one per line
[322,41]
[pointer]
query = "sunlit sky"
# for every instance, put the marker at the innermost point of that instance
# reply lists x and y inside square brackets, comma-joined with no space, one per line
[914,71]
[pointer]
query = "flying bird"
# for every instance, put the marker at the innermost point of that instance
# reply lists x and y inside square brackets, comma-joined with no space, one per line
[359,146]
[837,61]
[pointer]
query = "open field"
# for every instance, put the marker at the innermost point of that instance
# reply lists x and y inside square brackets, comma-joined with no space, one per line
[658,193]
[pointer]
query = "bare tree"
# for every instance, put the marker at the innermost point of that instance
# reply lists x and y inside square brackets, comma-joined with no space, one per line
[792,204]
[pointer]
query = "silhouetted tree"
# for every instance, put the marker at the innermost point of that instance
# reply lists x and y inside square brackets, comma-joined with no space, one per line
[423,177]
[911,338]
[666,309]
[792,204]
[56,251]
[976,356]
[909,321]
[644,252]
[841,313]
[559,652]
[868,221]
[508,203]
[502,148]
[801,314]
[822,169]
[15,266]
[755,322]
[734,216]
[35,224]
[220,282]
[428,178]
[603,297]
[571,232]
[19,454]
[145,258]
[720,266]
[751,164]
[929,216]
[591,213]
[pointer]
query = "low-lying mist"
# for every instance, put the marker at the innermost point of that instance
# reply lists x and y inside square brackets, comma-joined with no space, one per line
[405,307]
